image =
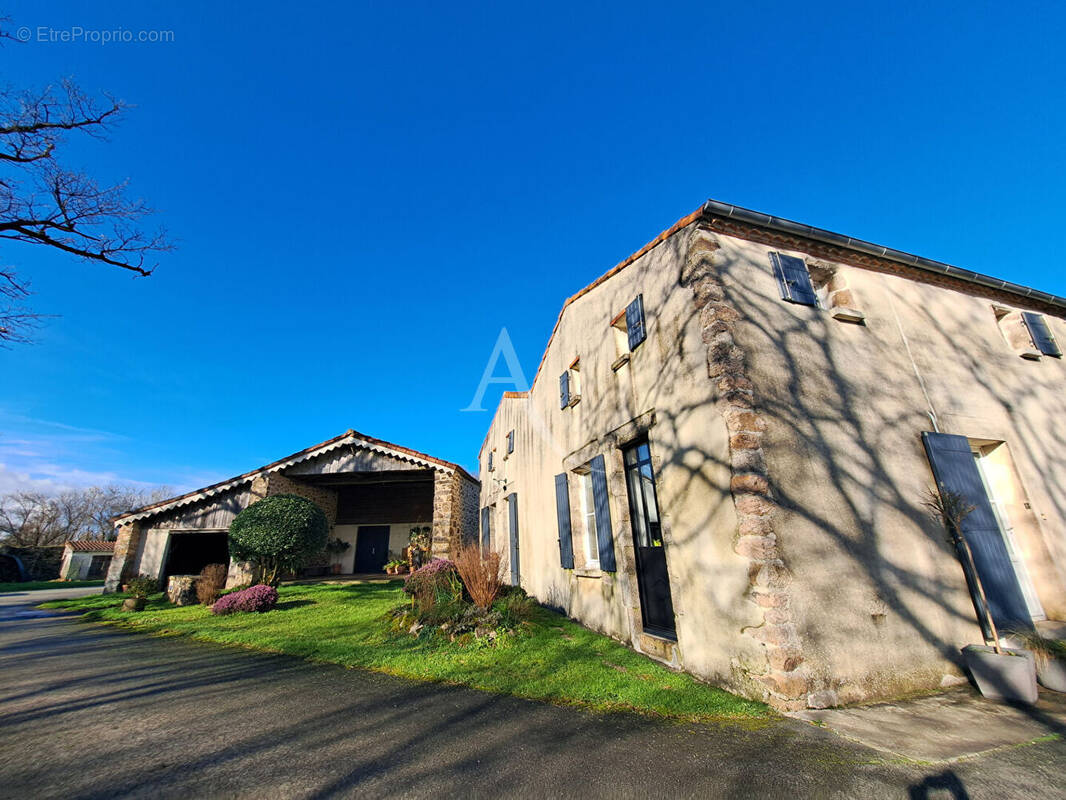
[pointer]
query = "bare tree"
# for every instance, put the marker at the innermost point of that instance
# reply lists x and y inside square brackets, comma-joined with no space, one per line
[950,509]
[42,202]
[36,519]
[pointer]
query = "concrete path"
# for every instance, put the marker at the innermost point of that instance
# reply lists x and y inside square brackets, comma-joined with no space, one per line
[27,600]
[91,712]
[945,727]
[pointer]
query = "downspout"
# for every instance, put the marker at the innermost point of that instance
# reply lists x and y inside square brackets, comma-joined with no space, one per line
[910,355]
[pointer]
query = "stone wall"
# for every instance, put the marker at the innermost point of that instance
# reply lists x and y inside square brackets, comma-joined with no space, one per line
[455,512]
[123,564]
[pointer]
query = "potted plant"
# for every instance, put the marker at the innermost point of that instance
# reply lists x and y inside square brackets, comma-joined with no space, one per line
[139,590]
[1050,657]
[335,547]
[1000,673]
[419,544]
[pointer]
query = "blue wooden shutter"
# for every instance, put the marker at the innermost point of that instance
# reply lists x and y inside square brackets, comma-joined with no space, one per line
[562,510]
[485,539]
[564,389]
[635,322]
[1041,333]
[793,279]
[955,471]
[512,515]
[604,535]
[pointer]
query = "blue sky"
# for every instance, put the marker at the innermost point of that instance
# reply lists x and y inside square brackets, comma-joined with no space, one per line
[363,195]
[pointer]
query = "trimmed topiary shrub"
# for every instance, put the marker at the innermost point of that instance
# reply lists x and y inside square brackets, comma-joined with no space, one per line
[255,598]
[279,533]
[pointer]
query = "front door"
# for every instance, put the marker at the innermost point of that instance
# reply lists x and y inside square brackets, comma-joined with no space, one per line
[371,548]
[653,580]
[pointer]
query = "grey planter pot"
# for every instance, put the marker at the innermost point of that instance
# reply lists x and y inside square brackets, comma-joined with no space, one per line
[1010,676]
[133,604]
[1052,674]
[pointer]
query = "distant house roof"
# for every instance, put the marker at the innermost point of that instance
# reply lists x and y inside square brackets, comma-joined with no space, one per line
[349,437]
[91,546]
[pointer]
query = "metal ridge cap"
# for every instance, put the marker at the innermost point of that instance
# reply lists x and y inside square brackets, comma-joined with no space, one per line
[929,265]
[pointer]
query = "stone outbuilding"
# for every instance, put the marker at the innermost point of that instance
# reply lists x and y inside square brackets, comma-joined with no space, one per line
[86,560]
[373,493]
[724,455]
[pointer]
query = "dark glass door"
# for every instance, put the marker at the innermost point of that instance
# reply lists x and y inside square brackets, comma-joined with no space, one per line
[371,548]
[656,604]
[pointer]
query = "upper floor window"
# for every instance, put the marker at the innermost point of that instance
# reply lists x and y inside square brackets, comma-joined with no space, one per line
[794,279]
[491,465]
[1028,334]
[510,442]
[1041,334]
[570,385]
[818,284]
[629,329]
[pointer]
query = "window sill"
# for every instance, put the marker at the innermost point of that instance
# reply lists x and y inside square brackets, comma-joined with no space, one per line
[853,315]
[574,400]
[588,573]
[620,362]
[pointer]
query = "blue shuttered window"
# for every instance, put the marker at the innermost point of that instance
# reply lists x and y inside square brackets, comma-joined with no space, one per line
[486,536]
[793,279]
[510,442]
[492,466]
[562,510]
[512,517]
[1041,333]
[604,535]
[564,389]
[635,328]
[955,471]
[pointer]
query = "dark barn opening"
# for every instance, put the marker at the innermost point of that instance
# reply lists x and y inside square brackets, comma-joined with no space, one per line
[191,552]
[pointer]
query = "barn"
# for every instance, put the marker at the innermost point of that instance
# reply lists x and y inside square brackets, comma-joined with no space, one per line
[373,493]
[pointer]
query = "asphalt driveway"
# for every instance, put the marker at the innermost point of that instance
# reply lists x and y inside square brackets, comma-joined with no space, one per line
[88,712]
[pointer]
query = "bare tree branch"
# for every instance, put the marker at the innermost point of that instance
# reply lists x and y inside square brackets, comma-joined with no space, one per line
[43,203]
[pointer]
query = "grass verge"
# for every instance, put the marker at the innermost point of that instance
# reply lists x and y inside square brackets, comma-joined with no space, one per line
[555,660]
[35,586]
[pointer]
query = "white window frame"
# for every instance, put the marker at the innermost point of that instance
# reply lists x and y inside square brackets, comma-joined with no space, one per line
[588,521]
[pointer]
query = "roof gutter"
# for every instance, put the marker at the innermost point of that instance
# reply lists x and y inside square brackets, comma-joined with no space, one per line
[720,209]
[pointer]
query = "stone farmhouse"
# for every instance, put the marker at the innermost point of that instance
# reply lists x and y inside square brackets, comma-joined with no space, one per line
[724,454]
[372,492]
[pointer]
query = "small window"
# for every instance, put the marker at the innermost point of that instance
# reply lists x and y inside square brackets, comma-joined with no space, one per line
[793,279]
[630,330]
[1028,334]
[1041,334]
[570,385]
[510,442]
[492,465]
[588,522]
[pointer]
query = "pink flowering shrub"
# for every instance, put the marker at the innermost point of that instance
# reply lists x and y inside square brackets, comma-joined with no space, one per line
[436,582]
[255,598]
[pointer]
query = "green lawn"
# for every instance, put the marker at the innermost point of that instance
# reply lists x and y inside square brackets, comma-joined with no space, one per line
[556,660]
[33,586]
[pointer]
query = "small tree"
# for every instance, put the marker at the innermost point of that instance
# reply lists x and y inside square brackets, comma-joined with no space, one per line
[950,509]
[279,533]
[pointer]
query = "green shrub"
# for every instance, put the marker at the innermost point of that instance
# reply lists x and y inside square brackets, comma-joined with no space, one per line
[515,608]
[142,586]
[279,533]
